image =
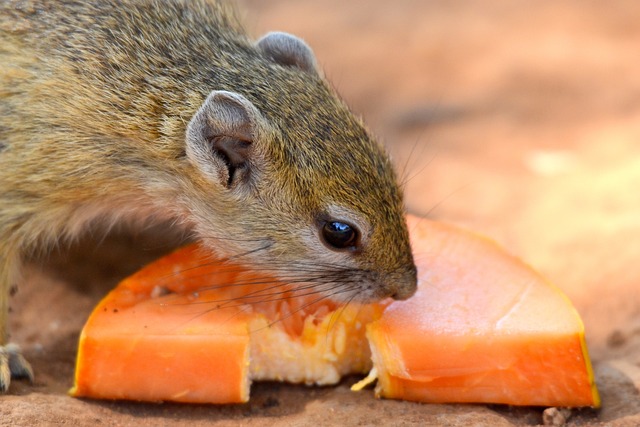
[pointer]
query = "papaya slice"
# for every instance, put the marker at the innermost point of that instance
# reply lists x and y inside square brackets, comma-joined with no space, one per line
[189,328]
[483,327]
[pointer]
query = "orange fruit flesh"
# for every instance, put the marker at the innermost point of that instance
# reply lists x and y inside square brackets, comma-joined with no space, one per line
[188,328]
[483,327]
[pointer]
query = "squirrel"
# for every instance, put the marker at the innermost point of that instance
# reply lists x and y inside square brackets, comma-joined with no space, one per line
[149,110]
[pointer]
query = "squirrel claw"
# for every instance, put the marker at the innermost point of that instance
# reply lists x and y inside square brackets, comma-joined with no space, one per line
[13,365]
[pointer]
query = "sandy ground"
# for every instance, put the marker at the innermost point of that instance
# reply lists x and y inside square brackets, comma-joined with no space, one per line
[518,119]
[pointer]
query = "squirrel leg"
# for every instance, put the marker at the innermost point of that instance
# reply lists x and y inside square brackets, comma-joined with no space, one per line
[12,363]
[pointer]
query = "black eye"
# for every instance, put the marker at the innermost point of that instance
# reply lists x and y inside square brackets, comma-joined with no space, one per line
[339,235]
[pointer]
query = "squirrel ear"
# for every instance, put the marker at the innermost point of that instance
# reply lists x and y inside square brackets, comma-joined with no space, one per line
[220,137]
[288,50]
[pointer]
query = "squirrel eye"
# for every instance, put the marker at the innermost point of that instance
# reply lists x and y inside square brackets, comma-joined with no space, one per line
[339,235]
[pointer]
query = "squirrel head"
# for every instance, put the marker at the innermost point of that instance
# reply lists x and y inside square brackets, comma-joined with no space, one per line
[298,181]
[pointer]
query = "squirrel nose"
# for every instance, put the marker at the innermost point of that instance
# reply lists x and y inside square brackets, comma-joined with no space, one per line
[405,285]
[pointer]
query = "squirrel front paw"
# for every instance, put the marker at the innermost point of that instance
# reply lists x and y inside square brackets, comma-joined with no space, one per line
[13,365]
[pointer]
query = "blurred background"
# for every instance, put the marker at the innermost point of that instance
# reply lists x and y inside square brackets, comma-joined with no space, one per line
[519,119]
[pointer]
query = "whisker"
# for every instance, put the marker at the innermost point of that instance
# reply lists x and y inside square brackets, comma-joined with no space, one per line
[405,167]
[282,280]
[299,309]
[447,197]
[274,266]
[425,134]
[261,293]
[214,262]
[231,239]
[317,289]
[426,164]
[283,272]
[244,254]
[245,306]
[335,316]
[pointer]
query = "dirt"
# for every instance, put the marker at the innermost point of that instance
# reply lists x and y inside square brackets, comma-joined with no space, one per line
[520,120]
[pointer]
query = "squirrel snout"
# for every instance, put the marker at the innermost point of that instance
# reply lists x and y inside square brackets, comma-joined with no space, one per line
[403,286]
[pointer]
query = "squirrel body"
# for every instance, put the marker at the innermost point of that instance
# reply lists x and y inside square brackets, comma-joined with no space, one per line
[166,110]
